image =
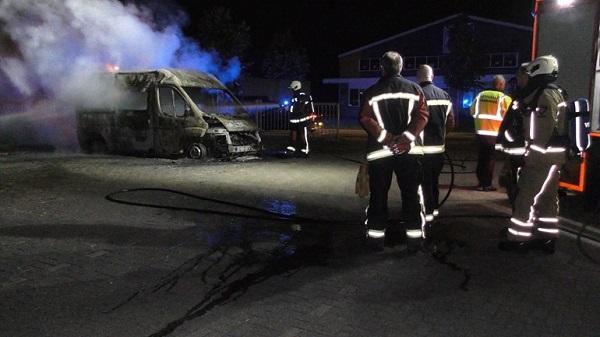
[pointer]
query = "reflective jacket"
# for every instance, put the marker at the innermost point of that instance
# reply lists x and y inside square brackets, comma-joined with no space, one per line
[488,110]
[542,121]
[302,107]
[511,138]
[393,106]
[440,116]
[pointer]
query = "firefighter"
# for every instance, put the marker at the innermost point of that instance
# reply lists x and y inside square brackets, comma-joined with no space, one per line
[302,110]
[510,138]
[394,114]
[534,223]
[488,110]
[434,138]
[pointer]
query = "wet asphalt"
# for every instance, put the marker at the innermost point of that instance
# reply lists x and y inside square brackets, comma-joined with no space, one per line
[265,247]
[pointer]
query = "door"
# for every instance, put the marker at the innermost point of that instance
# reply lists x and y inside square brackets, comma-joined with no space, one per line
[171,119]
[134,133]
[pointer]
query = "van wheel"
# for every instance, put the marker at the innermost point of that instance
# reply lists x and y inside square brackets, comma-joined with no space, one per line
[197,151]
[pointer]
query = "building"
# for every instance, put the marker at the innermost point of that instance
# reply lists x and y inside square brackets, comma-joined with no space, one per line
[505,46]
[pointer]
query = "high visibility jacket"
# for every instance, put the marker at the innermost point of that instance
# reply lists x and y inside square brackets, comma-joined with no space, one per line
[440,116]
[488,110]
[302,107]
[544,118]
[393,106]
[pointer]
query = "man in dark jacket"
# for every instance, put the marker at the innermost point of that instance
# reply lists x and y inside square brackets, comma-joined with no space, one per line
[434,138]
[394,114]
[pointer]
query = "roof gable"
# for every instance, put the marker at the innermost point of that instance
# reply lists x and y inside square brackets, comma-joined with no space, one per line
[448,18]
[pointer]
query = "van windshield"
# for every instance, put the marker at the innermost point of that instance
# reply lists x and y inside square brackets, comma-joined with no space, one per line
[215,101]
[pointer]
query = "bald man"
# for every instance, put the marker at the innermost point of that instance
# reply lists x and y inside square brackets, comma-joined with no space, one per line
[441,117]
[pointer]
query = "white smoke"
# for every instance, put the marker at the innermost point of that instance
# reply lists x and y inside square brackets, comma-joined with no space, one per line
[65,42]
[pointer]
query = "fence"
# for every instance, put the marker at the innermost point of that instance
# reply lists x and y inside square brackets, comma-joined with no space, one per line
[272,117]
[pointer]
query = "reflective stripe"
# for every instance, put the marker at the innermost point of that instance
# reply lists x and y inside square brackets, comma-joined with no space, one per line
[562,105]
[577,107]
[375,234]
[487,133]
[521,223]
[414,233]
[549,149]
[514,232]
[498,147]
[553,220]
[312,106]
[378,115]
[508,136]
[532,125]
[303,119]
[490,117]
[429,217]
[476,106]
[448,110]
[306,140]
[382,136]
[422,213]
[436,212]
[431,149]
[434,102]
[379,154]
[578,133]
[291,148]
[409,136]
[395,95]
[549,230]
[515,151]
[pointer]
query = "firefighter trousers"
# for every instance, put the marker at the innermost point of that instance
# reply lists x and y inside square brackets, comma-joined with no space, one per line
[432,168]
[408,176]
[536,206]
[299,138]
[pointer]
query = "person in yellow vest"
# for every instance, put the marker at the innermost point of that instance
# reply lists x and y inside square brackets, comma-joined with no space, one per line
[488,110]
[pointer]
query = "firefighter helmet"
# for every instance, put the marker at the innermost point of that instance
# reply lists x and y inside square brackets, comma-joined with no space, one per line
[295,85]
[543,65]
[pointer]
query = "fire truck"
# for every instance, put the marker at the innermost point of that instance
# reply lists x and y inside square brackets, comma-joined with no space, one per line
[569,30]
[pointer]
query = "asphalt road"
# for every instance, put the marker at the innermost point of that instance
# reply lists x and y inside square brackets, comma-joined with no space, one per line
[75,264]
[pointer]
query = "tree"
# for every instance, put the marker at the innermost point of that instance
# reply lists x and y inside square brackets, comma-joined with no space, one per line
[284,59]
[216,30]
[464,63]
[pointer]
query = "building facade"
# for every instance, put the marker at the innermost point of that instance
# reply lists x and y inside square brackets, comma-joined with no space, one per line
[504,46]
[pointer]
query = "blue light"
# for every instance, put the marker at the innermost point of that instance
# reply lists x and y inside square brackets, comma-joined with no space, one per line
[467,100]
[286,102]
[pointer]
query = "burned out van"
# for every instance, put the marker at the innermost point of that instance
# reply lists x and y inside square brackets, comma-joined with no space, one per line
[166,113]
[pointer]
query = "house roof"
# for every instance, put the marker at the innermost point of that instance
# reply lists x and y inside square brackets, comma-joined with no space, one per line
[448,18]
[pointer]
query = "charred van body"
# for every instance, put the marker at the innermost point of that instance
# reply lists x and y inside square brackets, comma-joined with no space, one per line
[167,113]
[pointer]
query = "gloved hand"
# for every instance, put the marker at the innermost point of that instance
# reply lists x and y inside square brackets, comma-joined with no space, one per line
[400,144]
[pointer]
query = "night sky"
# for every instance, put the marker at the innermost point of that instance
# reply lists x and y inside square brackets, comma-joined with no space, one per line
[327,28]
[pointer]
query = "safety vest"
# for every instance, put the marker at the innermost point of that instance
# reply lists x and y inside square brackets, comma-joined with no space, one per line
[488,110]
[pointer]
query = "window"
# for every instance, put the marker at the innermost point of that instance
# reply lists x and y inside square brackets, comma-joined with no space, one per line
[409,63]
[364,65]
[133,100]
[510,60]
[354,97]
[171,102]
[497,60]
[214,101]
[433,61]
[374,64]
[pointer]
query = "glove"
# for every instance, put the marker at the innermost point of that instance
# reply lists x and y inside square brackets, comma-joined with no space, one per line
[400,144]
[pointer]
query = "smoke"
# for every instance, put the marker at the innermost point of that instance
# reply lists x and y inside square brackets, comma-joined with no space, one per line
[63,43]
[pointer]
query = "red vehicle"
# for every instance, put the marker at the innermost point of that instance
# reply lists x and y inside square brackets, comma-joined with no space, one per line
[569,30]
